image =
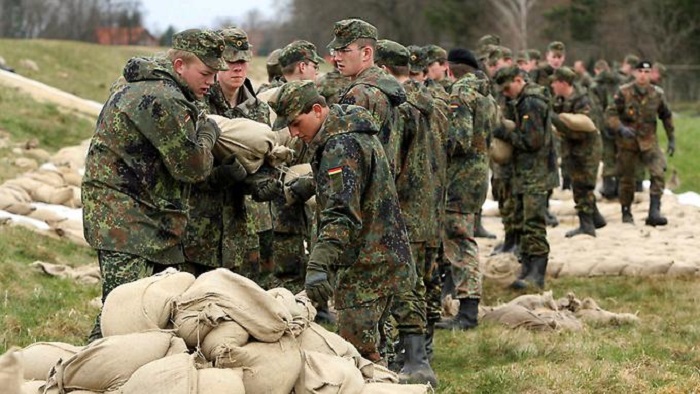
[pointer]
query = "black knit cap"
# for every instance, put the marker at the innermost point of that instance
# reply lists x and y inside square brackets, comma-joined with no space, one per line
[462,56]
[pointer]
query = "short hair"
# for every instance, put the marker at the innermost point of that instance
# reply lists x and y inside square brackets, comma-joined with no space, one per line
[460,69]
[366,42]
[399,71]
[186,56]
[602,64]
[290,68]
[318,100]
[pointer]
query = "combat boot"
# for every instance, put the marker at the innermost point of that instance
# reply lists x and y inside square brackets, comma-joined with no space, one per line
[655,218]
[598,219]
[525,268]
[609,188]
[508,245]
[480,231]
[429,336]
[416,368]
[585,226]
[550,219]
[466,319]
[538,270]
[627,214]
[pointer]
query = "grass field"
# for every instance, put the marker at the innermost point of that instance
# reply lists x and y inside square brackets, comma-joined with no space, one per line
[660,355]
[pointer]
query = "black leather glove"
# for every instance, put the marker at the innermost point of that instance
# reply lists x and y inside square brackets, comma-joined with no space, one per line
[626,132]
[302,188]
[316,284]
[229,173]
[263,187]
[208,132]
[671,148]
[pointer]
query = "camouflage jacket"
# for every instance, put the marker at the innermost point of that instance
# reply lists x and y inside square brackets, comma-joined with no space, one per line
[381,94]
[439,124]
[218,216]
[143,157]
[638,107]
[275,83]
[473,116]
[361,233]
[602,91]
[583,145]
[534,158]
[331,85]
[416,181]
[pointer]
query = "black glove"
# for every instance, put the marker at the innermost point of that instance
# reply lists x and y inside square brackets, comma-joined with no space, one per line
[626,132]
[263,187]
[229,173]
[208,132]
[671,148]
[501,133]
[316,284]
[302,188]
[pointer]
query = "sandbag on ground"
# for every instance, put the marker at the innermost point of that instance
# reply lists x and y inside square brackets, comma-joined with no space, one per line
[108,363]
[516,316]
[591,313]
[220,381]
[388,388]
[375,373]
[145,304]
[227,334]
[40,357]
[237,298]
[300,308]
[11,372]
[169,375]
[267,367]
[324,373]
[318,339]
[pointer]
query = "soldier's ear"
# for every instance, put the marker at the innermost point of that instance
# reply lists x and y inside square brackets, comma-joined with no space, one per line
[178,65]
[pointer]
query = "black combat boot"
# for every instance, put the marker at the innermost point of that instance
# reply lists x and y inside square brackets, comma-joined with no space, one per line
[655,218]
[538,271]
[525,268]
[585,226]
[429,336]
[609,188]
[480,231]
[598,219]
[416,368]
[627,214]
[466,319]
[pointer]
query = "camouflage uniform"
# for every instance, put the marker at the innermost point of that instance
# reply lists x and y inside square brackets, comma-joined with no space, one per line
[584,147]
[274,72]
[434,53]
[150,145]
[331,85]
[605,85]
[637,107]
[473,115]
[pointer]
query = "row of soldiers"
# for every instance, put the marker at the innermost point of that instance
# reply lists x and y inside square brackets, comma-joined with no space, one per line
[400,171]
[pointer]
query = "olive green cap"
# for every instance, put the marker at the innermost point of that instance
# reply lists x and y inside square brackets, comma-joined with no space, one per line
[290,100]
[298,51]
[349,30]
[391,53]
[237,46]
[207,45]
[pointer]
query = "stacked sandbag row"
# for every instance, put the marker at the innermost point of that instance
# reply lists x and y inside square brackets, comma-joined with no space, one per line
[219,333]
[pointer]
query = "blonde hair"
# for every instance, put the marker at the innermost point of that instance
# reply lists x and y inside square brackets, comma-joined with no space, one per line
[187,57]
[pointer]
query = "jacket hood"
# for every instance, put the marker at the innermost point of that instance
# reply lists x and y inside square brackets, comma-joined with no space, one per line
[343,119]
[375,76]
[419,96]
[154,69]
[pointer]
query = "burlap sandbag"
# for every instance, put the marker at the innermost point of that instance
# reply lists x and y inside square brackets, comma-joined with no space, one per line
[71,177]
[51,178]
[300,308]
[36,387]
[72,156]
[194,320]
[500,151]
[293,173]
[15,208]
[388,388]
[238,298]
[226,334]
[253,143]
[41,356]
[38,154]
[145,304]
[169,375]
[267,367]
[324,373]
[375,373]
[11,372]
[516,316]
[535,301]
[591,313]
[318,339]
[45,215]
[220,381]
[577,122]
[108,363]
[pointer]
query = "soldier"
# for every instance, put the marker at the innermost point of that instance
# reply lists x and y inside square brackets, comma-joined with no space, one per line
[605,85]
[218,215]
[362,239]
[535,167]
[332,84]
[523,61]
[436,58]
[299,61]
[633,114]
[555,57]
[353,49]
[274,72]
[415,185]
[417,63]
[584,149]
[583,78]
[472,116]
[149,146]
[486,41]
[658,73]
[625,72]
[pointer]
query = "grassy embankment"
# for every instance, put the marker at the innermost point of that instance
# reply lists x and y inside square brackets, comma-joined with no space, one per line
[659,355]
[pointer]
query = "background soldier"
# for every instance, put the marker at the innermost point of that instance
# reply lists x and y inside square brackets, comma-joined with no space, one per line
[135,207]
[436,58]
[633,114]
[274,72]
[605,85]
[534,164]
[332,84]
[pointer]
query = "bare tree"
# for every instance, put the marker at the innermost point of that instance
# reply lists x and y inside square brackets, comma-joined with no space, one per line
[515,15]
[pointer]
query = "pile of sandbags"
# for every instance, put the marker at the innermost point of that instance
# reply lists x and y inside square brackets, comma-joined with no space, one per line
[219,333]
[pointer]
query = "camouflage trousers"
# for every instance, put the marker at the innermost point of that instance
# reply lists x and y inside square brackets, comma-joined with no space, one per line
[583,160]
[564,152]
[362,326]
[627,164]
[119,268]
[530,209]
[409,307]
[462,253]
[609,156]
[289,263]
[503,193]
[433,285]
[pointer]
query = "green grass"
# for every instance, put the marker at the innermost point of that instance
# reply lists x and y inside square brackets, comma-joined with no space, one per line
[684,161]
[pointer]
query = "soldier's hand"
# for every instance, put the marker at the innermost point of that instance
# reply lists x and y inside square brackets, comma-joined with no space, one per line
[626,132]
[316,283]
[501,133]
[230,172]
[208,132]
[671,148]
[264,187]
[302,188]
